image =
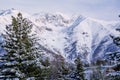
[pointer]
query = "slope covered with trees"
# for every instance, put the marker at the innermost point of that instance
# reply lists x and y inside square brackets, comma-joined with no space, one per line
[22,58]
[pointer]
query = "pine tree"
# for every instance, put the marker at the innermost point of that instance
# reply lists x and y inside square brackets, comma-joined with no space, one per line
[79,71]
[63,71]
[97,73]
[59,69]
[22,58]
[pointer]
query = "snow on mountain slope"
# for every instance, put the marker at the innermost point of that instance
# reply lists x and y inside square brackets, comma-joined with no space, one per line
[69,36]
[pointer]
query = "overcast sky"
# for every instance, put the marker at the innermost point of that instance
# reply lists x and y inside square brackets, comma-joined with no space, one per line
[100,9]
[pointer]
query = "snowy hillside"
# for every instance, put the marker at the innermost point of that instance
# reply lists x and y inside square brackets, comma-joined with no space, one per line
[69,36]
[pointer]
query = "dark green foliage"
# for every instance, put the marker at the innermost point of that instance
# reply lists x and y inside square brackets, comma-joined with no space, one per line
[79,72]
[97,73]
[63,71]
[22,58]
[59,69]
[45,62]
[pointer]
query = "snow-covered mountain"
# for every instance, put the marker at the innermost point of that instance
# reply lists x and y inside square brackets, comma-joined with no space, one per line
[69,36]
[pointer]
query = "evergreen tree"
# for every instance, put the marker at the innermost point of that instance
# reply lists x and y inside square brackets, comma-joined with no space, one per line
[63,71]
[22,58]
[79,70]
[97,73]
[59,69]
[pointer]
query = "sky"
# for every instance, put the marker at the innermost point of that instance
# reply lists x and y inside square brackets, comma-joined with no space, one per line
[99,9]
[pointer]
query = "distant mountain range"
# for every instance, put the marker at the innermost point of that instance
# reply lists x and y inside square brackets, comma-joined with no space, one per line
[69,36]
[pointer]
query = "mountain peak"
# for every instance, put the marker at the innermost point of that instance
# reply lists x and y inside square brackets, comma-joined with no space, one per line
[68,36]
[12,12]
[8,11]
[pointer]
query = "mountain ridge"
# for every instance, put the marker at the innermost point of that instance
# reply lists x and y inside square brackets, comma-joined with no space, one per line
[69,36]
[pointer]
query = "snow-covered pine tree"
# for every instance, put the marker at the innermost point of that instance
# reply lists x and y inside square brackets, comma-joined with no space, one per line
[57,66]
[79,71]
[20,61]
[97,73]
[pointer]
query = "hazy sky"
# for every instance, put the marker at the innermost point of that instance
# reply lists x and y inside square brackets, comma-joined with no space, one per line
[100,9]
